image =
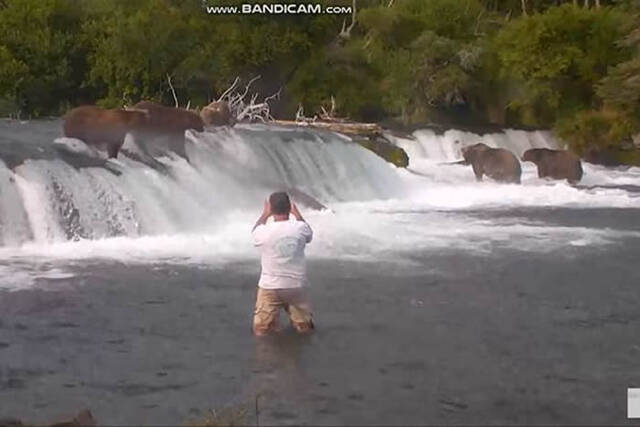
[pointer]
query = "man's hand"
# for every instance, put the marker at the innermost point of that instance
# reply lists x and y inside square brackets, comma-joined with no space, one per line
[266,213]
[295,212]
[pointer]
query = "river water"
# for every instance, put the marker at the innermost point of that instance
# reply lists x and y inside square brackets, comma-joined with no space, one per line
[127,286]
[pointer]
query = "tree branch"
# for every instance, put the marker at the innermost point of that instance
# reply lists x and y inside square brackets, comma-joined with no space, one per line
[251,109]
[173,92]
[345,33]
[230,89]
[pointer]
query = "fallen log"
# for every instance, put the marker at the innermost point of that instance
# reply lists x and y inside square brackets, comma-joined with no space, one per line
[347,128]
[368,135]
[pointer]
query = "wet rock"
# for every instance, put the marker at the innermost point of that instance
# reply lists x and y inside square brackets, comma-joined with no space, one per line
[62,324]
[282,415]
[15,383]
[83,418]
[388,151]
[451,405]
[10,422]
[303,199]
[355,396]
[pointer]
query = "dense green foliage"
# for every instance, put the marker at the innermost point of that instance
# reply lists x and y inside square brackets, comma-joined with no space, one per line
[572,65]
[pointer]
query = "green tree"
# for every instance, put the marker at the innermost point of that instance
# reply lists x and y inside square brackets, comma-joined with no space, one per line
[342,73]
[134,46]
[273,47]
[426,51]
[11,76]
[558,57]
[594,131]
[620,89]
[614,124]
[42,61]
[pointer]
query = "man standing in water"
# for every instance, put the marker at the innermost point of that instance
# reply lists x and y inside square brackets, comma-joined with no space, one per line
[283,274]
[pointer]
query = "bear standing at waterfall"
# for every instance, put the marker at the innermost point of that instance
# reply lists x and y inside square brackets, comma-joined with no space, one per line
[283,275]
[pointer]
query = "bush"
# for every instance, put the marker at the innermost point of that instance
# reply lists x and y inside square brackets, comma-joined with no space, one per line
[558,57]
[595,131]
[42,59]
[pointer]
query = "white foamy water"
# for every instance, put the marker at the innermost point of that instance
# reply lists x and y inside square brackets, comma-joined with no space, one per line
[446,147]
[363,231]
[452,186]
[201,211]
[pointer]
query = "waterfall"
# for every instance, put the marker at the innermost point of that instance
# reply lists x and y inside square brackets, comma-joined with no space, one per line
[428,145]
[55,190]
[48,198]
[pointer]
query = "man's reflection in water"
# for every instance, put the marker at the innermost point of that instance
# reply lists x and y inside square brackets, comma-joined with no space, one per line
[279,374]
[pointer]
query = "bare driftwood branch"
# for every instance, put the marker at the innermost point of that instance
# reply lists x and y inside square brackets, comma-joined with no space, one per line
[326,114]
[229,90]
[327,119]
[345,32]
[477,32]
[275,96]
[301,118]
[300,115]
[245,106]
[330,115]
[246,88]
[173,92]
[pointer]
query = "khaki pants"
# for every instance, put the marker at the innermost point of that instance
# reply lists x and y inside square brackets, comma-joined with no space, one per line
[294,301]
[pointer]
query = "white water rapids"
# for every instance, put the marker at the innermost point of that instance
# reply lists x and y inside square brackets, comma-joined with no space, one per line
[202,211]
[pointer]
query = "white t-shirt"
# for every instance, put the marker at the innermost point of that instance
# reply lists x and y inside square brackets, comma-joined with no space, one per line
[282,244]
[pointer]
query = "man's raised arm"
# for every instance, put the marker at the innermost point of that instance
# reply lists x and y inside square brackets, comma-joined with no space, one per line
[296,213]
[307,231]
[266,213]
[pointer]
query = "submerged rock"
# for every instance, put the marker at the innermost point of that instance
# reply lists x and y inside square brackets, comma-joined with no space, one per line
[304,199]
[83,418]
